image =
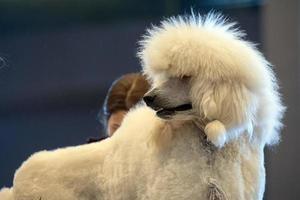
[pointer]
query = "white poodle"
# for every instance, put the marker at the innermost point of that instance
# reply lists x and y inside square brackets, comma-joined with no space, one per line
[214,106]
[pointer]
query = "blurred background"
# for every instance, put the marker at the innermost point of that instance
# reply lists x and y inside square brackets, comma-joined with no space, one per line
[59,58]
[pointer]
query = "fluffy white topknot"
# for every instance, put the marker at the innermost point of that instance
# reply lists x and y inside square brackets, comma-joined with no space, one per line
[185,45]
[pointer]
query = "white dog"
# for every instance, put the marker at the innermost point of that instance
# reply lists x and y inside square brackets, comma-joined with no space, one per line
[214,105]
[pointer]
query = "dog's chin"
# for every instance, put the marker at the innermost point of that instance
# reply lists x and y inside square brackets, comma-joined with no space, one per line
[165,114]
[178,112]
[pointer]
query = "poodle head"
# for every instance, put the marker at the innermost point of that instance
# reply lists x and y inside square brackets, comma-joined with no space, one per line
[201,68]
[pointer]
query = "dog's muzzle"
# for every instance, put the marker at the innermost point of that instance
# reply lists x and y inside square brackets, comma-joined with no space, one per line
[163,112]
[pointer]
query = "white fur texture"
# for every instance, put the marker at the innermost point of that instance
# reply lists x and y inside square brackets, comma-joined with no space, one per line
[233,82]
[148,158]
[216,133]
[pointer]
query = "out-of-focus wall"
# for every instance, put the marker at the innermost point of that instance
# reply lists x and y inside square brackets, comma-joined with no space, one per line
[281,38]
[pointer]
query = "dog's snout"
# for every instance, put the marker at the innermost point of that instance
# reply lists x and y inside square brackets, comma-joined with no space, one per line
[149,99]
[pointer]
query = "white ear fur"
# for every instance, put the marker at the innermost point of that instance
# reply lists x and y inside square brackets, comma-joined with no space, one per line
[216,133]
[229,108]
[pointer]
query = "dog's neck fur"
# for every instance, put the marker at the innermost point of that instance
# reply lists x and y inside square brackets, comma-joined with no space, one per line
[241,153]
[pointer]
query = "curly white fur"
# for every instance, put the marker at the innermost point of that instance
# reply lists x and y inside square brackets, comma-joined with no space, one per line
[234,91]
[235,83]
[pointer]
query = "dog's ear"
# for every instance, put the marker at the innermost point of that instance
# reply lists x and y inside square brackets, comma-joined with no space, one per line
[229,108]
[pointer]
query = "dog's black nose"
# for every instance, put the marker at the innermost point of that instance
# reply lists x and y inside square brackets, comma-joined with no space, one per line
[149,100]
